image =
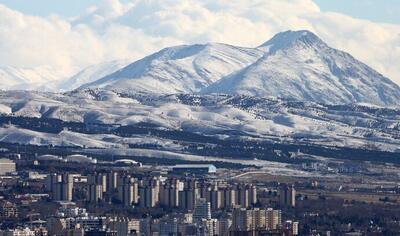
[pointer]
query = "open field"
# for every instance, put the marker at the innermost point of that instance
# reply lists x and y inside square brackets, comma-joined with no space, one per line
[353,196]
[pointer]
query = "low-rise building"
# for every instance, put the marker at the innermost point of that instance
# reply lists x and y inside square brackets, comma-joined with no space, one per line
[18,232]
[7,166]
[8,210]
[194,169]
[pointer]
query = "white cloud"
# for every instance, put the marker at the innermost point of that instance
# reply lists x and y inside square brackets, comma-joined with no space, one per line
[69,45]
[113,30]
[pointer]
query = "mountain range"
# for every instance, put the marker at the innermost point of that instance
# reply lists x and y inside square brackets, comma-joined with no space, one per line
[294,65]
[39,78]
[293,93]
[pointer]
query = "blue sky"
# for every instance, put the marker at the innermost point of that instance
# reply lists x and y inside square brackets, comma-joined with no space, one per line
[47,7]
[375,10]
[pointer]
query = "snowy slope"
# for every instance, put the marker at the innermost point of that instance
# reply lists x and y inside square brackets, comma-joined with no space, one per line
[12,134]
[40,78]
[298,65]
[181,69]
[216,115]
[24,136]
[91,74]
[48,79]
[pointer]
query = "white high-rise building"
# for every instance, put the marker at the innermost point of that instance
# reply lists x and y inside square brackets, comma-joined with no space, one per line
[287,196]
[242,220]
[149,192]
[254,219]
[95,188]
[208,227]
[112,182]
[128,190]
[273,218]
[60,186]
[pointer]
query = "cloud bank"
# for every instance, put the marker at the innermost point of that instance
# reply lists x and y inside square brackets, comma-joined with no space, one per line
[113,30]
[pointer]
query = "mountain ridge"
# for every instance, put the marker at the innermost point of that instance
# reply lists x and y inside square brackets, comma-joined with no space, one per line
[91,74]
[298,65]
[295,65]
[180,69]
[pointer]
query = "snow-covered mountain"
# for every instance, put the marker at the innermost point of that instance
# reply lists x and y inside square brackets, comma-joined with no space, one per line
[40,78]
[48,79]
[298,65]
[91,74]
[181,69]
[292,65]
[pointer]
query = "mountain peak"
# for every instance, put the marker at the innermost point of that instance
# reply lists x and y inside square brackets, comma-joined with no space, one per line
[290,38]
[298,65]
[292,65]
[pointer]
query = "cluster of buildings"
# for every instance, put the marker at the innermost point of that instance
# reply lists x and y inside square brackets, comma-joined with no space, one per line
[334,168]
[150,191]
[258,221]
[123,200]
[76,221]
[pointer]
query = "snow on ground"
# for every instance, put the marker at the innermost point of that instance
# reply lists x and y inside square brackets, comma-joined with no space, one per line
[186,68]
[352,125]
[299,65]
[39,78]
[5,109]
[13,134]
[91,74]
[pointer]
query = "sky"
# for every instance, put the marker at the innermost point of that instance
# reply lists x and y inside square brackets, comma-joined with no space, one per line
[68,35]
[375,10]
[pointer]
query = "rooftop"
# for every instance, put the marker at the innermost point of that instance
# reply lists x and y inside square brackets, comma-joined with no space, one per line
[195,166]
